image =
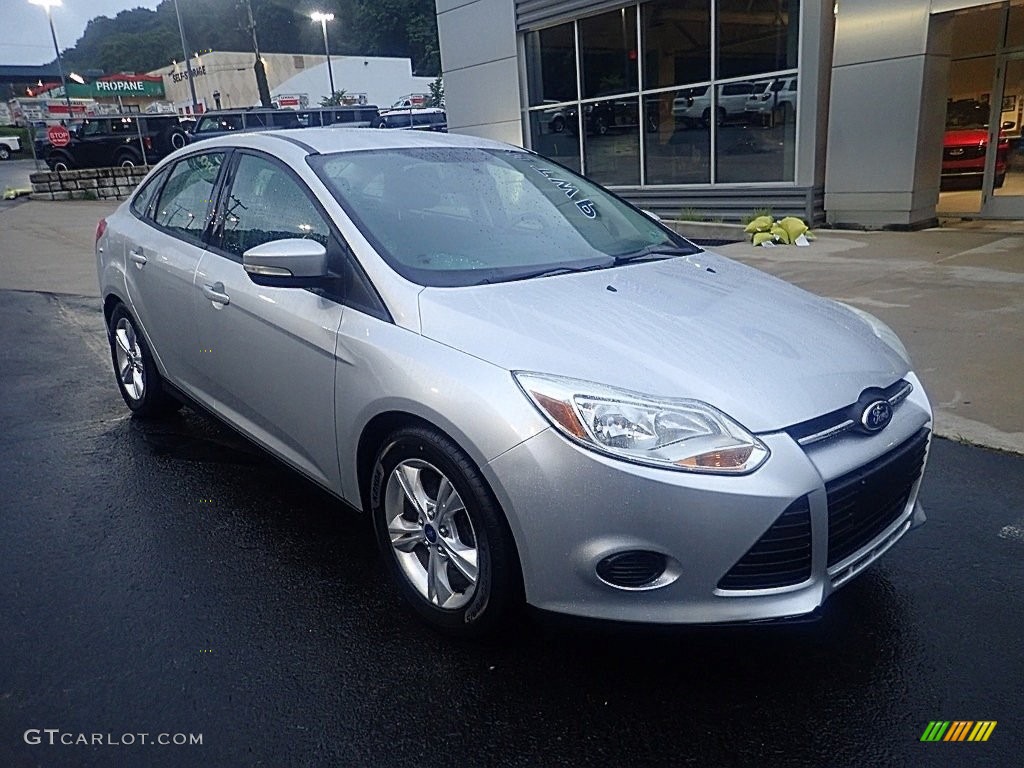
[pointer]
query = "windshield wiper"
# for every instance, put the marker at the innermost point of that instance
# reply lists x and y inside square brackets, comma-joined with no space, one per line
[654,252]
[545,272]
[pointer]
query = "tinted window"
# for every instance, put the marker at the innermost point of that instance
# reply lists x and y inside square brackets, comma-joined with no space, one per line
[185,199]
[447,216]
[93,128]
[677,42]
[142,199]
[756,36]
[256,120]
[551,64]
[123,125]
[608,51]
[266,203]
[215,123]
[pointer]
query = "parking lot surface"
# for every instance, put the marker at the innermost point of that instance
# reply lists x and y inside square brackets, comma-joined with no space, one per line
[170,578]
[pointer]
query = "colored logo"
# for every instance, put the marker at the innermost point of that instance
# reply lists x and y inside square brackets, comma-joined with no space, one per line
[958,730]
[876,416]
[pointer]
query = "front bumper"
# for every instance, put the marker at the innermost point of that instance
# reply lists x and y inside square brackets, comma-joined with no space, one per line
[569,508]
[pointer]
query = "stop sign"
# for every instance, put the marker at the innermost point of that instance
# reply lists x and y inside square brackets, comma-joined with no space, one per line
[58,135]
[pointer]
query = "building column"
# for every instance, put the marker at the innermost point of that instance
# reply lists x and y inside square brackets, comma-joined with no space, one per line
[481,68]
[886,114]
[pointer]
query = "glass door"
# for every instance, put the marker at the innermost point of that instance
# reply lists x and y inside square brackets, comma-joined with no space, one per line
[1003,186]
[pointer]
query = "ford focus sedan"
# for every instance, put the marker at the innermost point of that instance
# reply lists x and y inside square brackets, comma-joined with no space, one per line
[537,392]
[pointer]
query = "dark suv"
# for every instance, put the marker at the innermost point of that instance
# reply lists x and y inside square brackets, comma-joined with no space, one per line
[117,140]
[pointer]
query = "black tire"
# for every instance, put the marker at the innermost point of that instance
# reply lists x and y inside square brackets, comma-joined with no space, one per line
[176,139]
[60,162]
[478,522]
[1000,180]
[151,399]
[705,118]
[128,158]
[601,126]
[5,152]
[558,124]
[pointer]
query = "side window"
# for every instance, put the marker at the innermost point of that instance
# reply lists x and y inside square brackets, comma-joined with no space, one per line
[266,204]
[93,128]
[122,125]
[185,199]
[140,203]
[255,120]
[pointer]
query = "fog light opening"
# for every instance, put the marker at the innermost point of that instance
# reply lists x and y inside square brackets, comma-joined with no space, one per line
[635,569]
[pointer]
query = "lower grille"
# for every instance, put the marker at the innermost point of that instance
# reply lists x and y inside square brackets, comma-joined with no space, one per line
[780,558]
[633,569]
[868,500]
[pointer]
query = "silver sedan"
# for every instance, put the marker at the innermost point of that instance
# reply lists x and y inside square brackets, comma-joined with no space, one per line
[536,391]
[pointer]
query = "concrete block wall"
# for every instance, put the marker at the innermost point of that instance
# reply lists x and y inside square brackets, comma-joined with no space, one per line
[90,184]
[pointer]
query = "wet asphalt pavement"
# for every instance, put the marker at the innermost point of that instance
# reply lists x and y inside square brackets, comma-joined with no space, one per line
[170,578]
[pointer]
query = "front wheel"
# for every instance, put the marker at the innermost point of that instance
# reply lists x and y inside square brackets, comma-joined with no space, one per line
[5,152]
[445,542]
[138,379]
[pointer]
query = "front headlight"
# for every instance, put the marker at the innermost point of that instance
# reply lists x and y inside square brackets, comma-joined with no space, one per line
[686,435]
[881,330]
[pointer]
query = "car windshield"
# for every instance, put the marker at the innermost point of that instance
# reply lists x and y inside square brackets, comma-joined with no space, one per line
[967,113]
[448,216]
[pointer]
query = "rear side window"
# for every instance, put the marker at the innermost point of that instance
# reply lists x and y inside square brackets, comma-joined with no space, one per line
[255,120]
[141,201]
[185,200]
[267,204]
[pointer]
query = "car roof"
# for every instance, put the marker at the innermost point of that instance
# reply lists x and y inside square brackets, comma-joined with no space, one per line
[330,140]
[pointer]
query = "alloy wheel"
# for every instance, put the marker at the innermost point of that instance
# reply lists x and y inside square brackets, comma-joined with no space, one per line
[130,366]
[431,533]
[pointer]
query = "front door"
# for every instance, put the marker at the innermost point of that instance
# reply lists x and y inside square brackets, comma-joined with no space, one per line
[267,355]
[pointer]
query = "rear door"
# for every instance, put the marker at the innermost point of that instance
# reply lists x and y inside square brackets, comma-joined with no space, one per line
[163,247]
[267,361]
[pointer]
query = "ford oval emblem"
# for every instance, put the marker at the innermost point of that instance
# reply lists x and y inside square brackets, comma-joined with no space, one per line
[876,416]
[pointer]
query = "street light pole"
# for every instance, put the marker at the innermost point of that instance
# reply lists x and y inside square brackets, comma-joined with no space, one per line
[188,61]
[47,4]
[323,18]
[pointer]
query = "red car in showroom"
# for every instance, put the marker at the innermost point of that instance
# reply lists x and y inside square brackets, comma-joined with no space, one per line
[966,141]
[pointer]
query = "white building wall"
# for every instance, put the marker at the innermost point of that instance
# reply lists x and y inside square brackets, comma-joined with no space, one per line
[481,68]
[382,79]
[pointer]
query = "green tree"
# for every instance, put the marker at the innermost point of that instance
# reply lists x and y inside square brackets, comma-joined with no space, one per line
[336,99]
[437,92]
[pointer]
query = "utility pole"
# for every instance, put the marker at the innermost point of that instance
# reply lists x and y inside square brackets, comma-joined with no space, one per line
[261,71]
[188,61]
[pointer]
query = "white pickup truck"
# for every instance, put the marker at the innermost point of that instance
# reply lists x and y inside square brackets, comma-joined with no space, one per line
[9,144]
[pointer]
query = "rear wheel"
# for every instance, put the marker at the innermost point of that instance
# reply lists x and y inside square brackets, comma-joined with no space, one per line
[128,159]
[445,542]
[138,379]
[177,138]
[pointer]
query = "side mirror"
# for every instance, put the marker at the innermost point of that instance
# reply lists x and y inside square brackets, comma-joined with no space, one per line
[651,215]
[1009,125]
[290,263]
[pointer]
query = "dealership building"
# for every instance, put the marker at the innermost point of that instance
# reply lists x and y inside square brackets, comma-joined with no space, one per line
[870,113]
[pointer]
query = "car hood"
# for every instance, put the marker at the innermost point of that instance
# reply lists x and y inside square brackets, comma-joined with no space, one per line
[965,137]
[763,351]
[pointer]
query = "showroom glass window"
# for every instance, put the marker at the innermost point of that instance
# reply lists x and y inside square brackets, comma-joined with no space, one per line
[659,102]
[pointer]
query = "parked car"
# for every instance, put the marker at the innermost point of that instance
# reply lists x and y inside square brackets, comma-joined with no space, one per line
[533,389]
[420,119]
[773,100]
[613,115]
[8,146]
[966,142]
[693,106]
[117,140]
[228,121]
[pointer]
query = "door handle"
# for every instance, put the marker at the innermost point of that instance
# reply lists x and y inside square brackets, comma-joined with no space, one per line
[215,293]
[138,257]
